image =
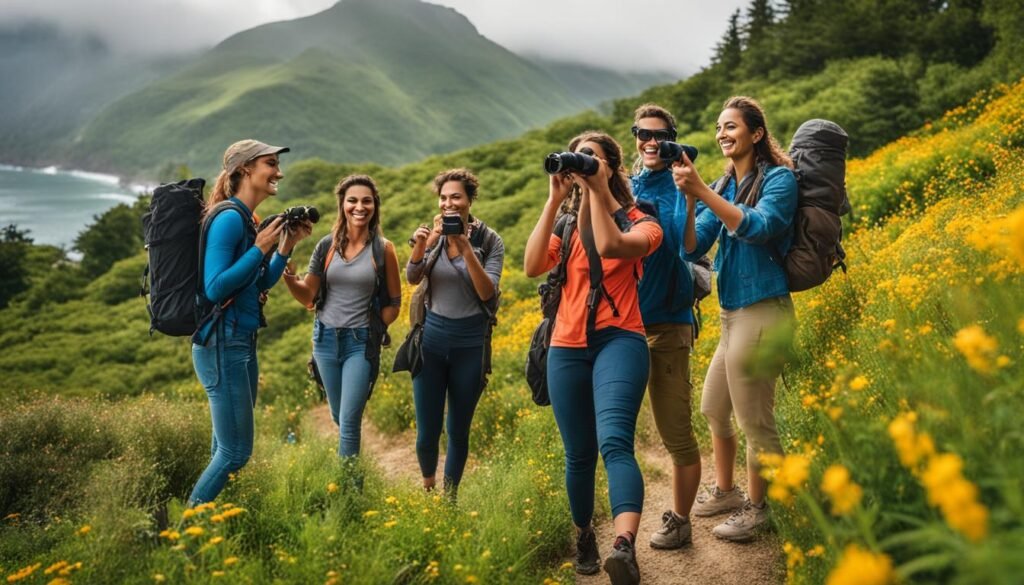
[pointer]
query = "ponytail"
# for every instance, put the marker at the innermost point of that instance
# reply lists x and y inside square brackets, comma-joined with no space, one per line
[223,189]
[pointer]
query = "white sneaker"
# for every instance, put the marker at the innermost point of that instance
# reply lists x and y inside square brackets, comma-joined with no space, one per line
[674,533]
[744,523]
[714,501]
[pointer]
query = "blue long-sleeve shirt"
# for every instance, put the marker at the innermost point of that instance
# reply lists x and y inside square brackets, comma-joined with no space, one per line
[664,270]
[748,262]
[231,260]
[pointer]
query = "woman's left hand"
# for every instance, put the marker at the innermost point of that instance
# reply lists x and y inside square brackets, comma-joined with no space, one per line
[293,235]
[686,176]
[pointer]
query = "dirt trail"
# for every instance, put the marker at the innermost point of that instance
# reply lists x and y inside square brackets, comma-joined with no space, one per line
[707,561]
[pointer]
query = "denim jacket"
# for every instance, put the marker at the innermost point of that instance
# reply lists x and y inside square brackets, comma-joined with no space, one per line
[749,261]
[658,188]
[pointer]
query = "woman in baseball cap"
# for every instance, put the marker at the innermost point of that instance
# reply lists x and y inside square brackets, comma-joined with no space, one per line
[238,265]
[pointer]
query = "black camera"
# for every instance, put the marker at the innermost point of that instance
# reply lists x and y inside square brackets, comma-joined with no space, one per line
[293,216]
[451,225]
[670,152]
[575,162]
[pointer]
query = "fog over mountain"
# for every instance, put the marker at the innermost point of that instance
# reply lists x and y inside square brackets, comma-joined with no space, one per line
[676,36]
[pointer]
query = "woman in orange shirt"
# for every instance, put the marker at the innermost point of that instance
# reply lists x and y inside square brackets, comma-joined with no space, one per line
[597,367]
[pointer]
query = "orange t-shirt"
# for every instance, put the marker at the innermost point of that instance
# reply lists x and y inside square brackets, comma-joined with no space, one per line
[620,279]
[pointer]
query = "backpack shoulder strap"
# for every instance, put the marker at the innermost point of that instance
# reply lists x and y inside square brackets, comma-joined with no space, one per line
[204,229]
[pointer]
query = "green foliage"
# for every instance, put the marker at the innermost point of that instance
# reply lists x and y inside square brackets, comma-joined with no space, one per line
[115,234]
[13,272]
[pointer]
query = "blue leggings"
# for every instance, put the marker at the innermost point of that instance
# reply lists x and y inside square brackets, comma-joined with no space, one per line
[453,373]
[227,368]
[341,358]
[596,394]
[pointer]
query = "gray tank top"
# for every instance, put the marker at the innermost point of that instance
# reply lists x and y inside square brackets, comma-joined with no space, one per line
[449,293]
[349,287]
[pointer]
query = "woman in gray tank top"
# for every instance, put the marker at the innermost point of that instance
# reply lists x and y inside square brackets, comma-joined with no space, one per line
[354,286]
[463,266]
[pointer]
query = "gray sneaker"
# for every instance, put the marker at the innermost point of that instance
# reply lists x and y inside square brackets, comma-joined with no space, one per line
[714,501]
[744,523]
[674,533]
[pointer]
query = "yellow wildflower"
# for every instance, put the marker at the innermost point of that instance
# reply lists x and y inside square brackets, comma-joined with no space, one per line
[978,347]
[195,531]
[955,496]
[859,383]
[55,567]
[84,530]
[217,573]
[158,578]
[23,573]
[370,513]
[861,567]
[217,540]
[786,474]
[59,581]
[332,487]
[230,561]
[844,493]
[391,500]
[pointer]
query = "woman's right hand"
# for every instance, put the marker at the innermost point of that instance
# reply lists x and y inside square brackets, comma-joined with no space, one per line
[560,187]
[268,237]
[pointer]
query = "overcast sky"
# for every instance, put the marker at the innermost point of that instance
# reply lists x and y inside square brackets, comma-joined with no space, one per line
[668,35]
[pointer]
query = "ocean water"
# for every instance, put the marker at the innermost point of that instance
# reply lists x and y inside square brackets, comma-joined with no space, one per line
[56,205]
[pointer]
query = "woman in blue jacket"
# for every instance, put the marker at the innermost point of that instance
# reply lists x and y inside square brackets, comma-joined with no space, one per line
[235,272]
[666,303]
[750,215]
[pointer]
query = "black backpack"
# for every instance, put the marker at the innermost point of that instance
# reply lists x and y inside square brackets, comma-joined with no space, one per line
[550,293]
[174,230]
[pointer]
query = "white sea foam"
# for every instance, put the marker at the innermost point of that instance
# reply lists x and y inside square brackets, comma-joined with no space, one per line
[99,177]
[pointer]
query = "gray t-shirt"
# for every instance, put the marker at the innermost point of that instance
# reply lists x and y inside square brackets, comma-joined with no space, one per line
[450,294]
[349,286]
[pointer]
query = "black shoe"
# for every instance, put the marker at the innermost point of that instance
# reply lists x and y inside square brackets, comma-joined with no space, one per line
[621,563]
[588,561]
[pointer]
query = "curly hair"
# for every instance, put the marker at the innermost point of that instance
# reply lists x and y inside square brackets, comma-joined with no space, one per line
[469,181]
[766,150]
[340,229]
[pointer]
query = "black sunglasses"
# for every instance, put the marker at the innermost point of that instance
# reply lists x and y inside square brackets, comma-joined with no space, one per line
[660,135]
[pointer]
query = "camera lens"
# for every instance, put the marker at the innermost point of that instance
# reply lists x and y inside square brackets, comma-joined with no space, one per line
[576,162]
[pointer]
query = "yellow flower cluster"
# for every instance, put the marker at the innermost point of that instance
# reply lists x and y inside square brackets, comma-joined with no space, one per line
[23,573]
[948,490]
[787,474]
[62,568]
[955,496]
[980,349]
[844,493]
[794,558]
[862,567]
[911,446]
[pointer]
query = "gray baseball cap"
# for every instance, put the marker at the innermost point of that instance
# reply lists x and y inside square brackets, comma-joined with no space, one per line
[244,151]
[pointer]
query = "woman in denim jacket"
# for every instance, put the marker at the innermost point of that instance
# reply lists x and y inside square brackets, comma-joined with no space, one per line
[751,219]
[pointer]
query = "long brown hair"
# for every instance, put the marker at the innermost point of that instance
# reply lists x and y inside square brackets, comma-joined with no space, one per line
[766,150]
[224,188]
[618,182]
[340,229]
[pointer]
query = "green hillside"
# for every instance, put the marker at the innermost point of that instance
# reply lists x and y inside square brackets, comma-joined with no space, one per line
[364,81]
[900,410]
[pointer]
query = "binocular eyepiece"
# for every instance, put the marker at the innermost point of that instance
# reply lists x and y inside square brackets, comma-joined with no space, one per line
[294,215]
[670,152]
[575,162]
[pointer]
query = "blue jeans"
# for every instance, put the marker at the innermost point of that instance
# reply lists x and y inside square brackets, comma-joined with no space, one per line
[452,371]
[227,368]
[596,394]
[341,358]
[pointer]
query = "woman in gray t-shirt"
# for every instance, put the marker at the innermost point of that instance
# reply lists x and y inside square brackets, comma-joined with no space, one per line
[463,266]
[354,286]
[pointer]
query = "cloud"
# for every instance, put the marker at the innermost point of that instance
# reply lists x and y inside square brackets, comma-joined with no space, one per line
[667,35]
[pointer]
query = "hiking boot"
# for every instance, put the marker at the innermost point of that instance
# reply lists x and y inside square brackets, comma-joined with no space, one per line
[588,561]
[621,563]
[714,501]
[744,523]
[675,532]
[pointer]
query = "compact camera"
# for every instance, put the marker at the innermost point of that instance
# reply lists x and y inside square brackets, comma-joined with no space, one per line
[451,225]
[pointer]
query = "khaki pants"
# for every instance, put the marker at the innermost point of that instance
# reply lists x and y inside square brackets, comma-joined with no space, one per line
[670,389]
[728,388]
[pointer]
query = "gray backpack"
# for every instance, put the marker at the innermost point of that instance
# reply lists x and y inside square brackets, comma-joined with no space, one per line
[819,160]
